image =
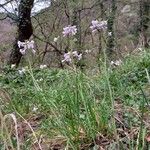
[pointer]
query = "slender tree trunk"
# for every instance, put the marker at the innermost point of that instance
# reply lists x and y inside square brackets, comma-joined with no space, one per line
[144,20]
[24,29]
[111,37]
[100,34]
[76,20]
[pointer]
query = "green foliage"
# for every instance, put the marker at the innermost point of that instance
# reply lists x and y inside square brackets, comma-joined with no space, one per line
[78,107]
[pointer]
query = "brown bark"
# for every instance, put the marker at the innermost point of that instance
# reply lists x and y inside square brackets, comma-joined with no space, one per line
[110,26]
[25,29]
[144,21]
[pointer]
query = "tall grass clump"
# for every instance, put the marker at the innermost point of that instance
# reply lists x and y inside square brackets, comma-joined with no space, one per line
[75,107]
[72,103]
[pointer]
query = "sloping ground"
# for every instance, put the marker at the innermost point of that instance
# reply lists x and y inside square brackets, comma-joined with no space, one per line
[70,109]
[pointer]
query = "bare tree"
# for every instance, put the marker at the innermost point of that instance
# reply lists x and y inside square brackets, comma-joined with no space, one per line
[25,29]
[111,19]
[144,20]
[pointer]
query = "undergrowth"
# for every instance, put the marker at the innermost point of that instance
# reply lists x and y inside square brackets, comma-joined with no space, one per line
[69,109]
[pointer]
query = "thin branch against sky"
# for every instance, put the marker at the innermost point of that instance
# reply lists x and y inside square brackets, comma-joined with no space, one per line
[12,5]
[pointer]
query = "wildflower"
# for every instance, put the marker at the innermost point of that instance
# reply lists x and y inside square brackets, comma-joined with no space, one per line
[109,33]
[87,51]
[67,57]
[21,44]
[23,51]
[79,56]
[75,53]
[22,71]
[56,39]
[43,66]
[116,63]
[34,109]
[41,79]
[69,30]
[13,66]
[70,55]
[30,45]
[23,47]
[98,25]
[26,45]
[112,63]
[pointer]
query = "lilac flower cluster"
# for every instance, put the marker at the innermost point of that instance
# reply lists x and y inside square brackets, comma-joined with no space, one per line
[72,30]
[98,25]
[69,30]
[70,55]
[26,45]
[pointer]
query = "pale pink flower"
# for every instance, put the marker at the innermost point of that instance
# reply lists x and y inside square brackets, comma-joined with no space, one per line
[98,25]
[71,55]
[67,57]
[26,45]
[23,51]
[69,30]
[30,44]
[21,44]
[75,53]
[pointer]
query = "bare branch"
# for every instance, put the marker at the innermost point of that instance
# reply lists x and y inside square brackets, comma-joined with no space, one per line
[2,5]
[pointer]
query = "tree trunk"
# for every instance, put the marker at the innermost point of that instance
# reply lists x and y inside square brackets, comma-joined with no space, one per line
[111,38]
[76,20]
[24,29]
[100,36]
[144,21]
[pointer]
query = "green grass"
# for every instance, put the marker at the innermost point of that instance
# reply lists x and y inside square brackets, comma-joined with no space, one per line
[76,110]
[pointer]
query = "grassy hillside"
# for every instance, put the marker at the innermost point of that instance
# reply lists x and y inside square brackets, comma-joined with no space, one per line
[93,89]
[70,109]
